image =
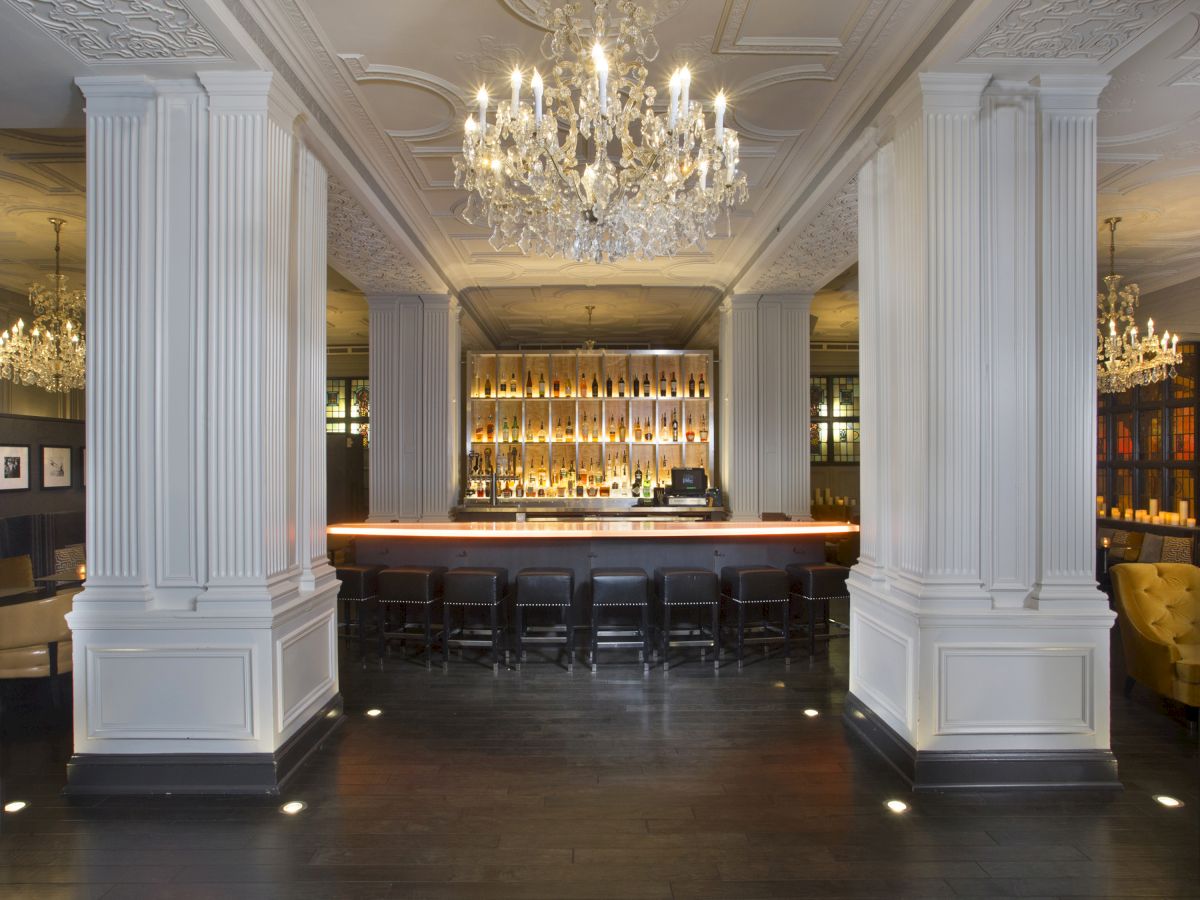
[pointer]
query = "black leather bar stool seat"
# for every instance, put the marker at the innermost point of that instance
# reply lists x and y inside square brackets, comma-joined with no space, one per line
[546,588]
[481,587]
[402,587]
[816,584]
[616,592]
[360,584]
[759,588]
[678,588]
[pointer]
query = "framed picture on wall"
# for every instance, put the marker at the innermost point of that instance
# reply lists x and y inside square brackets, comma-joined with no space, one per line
[56,467]
[14,467]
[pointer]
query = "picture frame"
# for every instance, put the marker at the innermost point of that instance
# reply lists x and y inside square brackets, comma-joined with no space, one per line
[57,469]
[14,467]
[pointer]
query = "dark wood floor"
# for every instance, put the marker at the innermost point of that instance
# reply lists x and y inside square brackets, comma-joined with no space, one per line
[540,784]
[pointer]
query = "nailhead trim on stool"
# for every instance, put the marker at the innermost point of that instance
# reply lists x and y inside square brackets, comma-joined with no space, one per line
[457,587]
[405,585]
[678,586]
[546,587]
[620,588]
[758,586]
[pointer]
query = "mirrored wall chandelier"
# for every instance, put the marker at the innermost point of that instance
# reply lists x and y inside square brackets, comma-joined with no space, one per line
[50,353]
[589,170]
[1123,358]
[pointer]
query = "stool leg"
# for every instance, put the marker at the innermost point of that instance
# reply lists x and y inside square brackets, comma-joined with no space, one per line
[812,625]
[716,630]
[787,632]
[495,639]
[595,634]
[446,608]
[569,621]
[381,612]
[741,632]
[666,638]
[519,628]
[428,636]
[645,638]
[362,630]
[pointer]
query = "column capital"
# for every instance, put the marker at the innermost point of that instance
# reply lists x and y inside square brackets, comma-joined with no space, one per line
[1071,93]
[792,301]
[391,301]
[951,92]
[435,301]
[740,301]
[233,92]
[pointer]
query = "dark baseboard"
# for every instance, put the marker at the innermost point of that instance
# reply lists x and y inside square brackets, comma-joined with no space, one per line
[982,769]
[202,773]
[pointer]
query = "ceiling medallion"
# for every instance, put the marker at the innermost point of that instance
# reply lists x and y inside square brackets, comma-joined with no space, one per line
[589,170]
[51,353]
[1124,360]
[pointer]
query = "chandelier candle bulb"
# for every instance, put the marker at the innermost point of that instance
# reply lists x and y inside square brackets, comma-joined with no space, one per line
[536,82]
[719,112]
[516,93]
[482,97]
[673,112]
[685,82]
[601,76]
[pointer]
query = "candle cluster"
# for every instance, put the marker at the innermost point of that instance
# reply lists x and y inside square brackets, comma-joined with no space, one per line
[1151,514]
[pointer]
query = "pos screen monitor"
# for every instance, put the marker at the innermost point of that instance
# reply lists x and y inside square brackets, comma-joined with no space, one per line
[691,482]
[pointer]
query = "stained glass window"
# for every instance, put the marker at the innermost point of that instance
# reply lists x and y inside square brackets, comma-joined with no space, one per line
[1183,487]
[1150,434]
[347,406]
[1183,434]
[835,408]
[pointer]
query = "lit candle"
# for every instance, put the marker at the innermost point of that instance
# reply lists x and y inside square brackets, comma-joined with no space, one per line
[516,94]
[1150,327]
[1112,327]
[1153,507]
[1174,342]
[704,175]
[601,75]
[685,81]
[470,126]
[719,111]
[537,96]
[482,98]
[1191,522]
[1115,512]
[1183,509]
[674,109]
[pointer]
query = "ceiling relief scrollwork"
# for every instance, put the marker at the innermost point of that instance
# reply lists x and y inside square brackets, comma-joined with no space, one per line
[1069,29]
[825,247]
[361,252]
[124,30]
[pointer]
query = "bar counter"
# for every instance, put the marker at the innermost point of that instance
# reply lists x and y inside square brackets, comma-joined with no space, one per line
[586,544]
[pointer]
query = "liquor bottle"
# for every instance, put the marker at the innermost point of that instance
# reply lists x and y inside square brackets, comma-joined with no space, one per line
[570,429]
[541,384]
[674,428]
[520,488]
[557,385]
[691,385]
[663,433]
[502,391]
[612,429]
[690,434]
[703,389]
[479,429]
[514,388]
[558,430]
[529,384]
[541,431]
[647,487]
[584,434]
[636,488]
[674,386]
[595,386]
[582,385]
[703,427]
[505,432]
[595,429]
[608,386]
[637,429]
[621,430]
[476,390]
[487,386]
[662,384]
[636,385]
[621,386]
[648,431]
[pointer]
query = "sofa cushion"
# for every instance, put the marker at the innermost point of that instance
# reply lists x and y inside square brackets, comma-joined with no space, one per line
[68,559]
[1187,667]
[1152,546]
[1133,545]
[16,572]
[1177,550]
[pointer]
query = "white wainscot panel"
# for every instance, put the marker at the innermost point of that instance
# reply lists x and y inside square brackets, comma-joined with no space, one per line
[1014,689]
[200,693]
[883,667]
[307,660]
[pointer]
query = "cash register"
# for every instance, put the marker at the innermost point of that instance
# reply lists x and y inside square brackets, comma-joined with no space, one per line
[689,487]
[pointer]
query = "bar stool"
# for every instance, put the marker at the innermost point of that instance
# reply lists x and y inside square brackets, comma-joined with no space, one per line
[546,587]
[762,587]
[360,584]
[405,586]
[680,587]
[479,587]
[817,584]
[615,589]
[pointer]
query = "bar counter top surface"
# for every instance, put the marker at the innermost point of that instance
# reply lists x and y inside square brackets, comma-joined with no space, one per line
[590,530]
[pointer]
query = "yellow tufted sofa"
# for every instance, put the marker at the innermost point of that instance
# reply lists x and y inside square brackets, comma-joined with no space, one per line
[1158,607]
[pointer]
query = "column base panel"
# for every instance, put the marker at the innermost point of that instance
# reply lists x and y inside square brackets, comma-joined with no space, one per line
[202,773]
[973,770]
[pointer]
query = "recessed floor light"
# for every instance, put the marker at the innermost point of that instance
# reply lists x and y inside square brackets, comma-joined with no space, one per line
[373,713]
[18,805]
[897,806]
[1167,801]
[780,684]
[293,806]
[811,713]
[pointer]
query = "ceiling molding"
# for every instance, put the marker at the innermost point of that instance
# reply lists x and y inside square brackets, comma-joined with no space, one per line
[122,31]
[452,95]
[1086,30]
[362,253]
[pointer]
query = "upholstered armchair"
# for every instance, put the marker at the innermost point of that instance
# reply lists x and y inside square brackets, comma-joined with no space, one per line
[35,641]
[1158,607]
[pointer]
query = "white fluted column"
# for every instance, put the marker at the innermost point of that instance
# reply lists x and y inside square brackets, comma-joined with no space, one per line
[441,347]
[204,643]
[739,405]
[395,371]
[1067,395]
[979,646]
[787,384]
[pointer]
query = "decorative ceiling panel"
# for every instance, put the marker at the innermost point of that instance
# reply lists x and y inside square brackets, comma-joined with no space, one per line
[99,31]
[823,250]
[361,252]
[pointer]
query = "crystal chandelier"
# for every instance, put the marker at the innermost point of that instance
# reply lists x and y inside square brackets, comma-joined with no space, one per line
[590,170]
[51,353]
[1124,360]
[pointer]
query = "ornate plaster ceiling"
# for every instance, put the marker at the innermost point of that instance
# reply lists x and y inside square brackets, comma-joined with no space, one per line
[41,175]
